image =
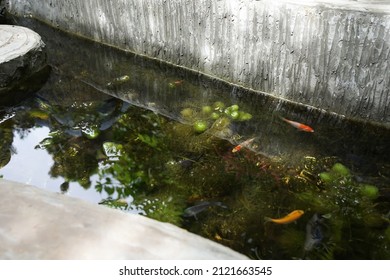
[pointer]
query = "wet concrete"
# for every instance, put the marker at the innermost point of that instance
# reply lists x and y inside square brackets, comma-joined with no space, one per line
[327,54]
[36,224]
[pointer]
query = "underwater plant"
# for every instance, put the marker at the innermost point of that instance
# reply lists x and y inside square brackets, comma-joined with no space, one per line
[351,213]
[210,115]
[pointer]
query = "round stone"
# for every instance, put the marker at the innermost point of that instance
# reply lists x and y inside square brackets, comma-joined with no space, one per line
[20,55]
[16,41]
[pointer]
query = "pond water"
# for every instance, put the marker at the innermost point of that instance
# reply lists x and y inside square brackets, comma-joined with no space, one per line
[145,137]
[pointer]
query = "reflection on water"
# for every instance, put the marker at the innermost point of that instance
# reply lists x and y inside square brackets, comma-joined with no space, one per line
[32,166]
[143,137]
[22,156]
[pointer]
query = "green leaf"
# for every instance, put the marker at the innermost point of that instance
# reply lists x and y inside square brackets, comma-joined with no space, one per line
[150,141]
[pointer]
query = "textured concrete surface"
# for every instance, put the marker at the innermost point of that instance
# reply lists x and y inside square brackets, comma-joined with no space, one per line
[20,55]
[328,54]
[36,224]
[16,41]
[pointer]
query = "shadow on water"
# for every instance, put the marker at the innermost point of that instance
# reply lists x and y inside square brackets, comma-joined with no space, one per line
[147,137]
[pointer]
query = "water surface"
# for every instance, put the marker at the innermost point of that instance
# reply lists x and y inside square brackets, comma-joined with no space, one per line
[145,137]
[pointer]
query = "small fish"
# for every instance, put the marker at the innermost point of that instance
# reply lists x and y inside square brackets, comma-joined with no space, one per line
[175,83]
[196,209]
[243,144]
[299,126]
[314,232]
[294,215]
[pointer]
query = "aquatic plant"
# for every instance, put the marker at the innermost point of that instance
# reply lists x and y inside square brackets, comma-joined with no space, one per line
[162,206]
[119,203]
[349,205]
[112,150]
[200,126]
[210,115]
[149,140]
[160,168]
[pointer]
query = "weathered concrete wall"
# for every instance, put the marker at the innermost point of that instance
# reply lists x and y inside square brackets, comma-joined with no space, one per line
[328,54]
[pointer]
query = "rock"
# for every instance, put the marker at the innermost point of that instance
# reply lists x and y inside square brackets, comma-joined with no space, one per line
[36,224]
[21,56]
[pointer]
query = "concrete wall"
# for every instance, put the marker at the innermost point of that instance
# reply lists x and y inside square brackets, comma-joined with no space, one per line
[328,54]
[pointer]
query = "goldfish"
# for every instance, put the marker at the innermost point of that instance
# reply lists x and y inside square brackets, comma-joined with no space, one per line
[294,215]
[299,126]
[243,144]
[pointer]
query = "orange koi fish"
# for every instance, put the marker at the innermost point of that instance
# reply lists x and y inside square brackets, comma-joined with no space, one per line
[178,82]
[243,144]
[294,215]
[299,126]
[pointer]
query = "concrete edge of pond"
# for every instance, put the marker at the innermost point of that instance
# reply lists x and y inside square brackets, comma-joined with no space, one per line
[38,224]
[329,54]
[20,54]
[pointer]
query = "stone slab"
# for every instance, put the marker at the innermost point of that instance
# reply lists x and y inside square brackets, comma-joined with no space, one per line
[36,224]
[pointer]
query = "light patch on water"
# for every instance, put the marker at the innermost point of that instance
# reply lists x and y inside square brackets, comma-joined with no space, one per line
[29,165]
[32,166]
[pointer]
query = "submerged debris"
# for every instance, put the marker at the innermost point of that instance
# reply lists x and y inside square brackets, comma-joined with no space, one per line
[200,207]
[118,81]
[314,232]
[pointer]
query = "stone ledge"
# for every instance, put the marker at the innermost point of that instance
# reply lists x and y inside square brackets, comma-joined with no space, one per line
[20,55]
[36,224]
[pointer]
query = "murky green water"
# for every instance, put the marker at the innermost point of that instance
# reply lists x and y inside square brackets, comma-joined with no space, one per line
[144,137]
